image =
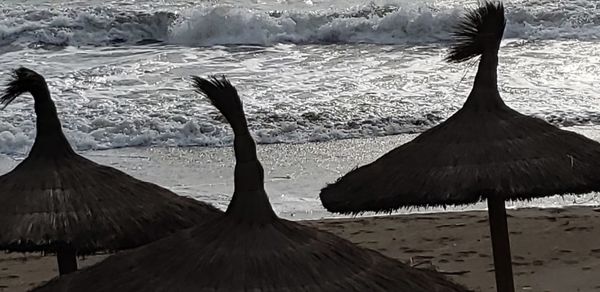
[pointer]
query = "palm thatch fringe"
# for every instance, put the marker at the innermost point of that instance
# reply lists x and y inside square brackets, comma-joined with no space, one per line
[249,248]
[58,201]
[470,157]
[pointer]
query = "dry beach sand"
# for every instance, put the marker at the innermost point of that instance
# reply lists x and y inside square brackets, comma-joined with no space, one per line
[554,250]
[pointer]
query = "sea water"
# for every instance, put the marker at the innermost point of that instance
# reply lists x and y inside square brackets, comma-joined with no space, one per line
[308,71]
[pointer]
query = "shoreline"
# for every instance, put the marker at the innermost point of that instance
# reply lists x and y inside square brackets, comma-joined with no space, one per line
[294,173]
[546,243]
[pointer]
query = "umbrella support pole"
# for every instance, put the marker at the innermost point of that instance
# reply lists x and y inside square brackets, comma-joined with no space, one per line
[500,245]
[67,260]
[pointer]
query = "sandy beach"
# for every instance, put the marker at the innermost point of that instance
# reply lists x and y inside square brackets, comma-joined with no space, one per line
[555,250]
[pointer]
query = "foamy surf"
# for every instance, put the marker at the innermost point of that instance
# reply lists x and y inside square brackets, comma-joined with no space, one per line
[226,24]
[318,71]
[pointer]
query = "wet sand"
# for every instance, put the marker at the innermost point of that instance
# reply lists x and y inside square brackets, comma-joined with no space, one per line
[294,173]
[555,250]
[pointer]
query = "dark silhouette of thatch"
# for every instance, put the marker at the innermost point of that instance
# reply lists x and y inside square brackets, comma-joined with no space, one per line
[486,150]
[57,201]
[249,248]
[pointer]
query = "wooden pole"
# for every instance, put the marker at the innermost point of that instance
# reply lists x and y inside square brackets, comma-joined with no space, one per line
[500,245]
[67,260]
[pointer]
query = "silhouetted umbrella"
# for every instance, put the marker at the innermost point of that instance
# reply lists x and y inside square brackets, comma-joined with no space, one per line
[58,201]
[486,150]
[249,248]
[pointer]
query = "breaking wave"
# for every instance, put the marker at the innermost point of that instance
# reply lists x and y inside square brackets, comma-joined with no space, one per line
[226,25]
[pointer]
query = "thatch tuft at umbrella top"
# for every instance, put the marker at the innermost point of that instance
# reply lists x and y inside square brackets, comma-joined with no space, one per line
[58,201]
[249,248]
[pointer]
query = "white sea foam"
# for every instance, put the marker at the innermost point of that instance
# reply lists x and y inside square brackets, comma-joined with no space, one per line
[319,85]
[225,24]
[106,135]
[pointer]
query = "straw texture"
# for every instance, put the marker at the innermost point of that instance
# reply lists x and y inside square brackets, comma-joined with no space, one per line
[485,149]
[229,255]
[478,31]
[56,198]
[249,248]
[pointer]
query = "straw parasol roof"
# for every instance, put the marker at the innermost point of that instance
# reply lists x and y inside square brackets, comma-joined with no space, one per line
[486,150]
[249,248]
[58,201]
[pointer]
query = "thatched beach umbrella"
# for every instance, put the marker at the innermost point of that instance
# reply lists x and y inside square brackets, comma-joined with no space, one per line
[249,248]
[485,151]
[60,202]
